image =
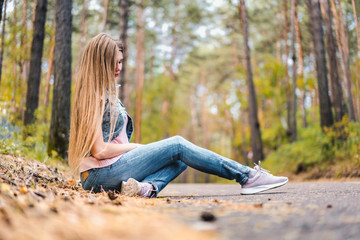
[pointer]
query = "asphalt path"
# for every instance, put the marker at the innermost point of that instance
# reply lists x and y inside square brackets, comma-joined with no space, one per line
[306,210]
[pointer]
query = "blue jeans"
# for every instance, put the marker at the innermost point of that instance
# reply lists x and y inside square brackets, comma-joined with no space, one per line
[161,162]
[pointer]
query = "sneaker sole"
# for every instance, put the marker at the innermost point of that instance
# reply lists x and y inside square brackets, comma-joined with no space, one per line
[262,188]
[130,188]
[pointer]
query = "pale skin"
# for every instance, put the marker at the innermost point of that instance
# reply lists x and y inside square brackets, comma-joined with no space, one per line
[104,150]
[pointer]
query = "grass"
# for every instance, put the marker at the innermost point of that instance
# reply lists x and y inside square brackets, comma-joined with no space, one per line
[320,154]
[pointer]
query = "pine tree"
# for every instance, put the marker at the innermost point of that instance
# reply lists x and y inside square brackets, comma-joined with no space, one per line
[256,142]
[326,117]
[140,70]
[33,83]
[60,114]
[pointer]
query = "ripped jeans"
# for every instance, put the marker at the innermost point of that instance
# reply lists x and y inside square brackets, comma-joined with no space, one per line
[160,162]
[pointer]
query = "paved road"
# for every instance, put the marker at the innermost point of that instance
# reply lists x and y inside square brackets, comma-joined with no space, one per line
[312,210]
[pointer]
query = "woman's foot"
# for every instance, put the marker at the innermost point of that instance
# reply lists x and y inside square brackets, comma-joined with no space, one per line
[134,188]
[261,180]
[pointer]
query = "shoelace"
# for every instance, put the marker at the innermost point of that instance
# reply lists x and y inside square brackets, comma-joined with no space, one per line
[259,169]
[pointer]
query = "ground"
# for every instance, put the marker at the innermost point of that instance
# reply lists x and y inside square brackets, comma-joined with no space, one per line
[39,201]
[304,210]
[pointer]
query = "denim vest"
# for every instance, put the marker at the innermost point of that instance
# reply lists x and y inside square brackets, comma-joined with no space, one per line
[120,113]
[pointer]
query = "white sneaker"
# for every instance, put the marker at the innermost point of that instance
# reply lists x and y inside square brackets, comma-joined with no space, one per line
[261,181]
[134,188]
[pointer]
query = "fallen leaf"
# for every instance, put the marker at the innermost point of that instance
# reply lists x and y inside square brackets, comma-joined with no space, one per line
[71,182]
[23,189]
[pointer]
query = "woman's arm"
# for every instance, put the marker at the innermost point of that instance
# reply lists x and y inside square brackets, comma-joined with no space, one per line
[103,150]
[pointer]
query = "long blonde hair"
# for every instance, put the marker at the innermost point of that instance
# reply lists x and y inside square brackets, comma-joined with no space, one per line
[95,79]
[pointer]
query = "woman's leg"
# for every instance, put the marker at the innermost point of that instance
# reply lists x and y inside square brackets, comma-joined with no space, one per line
[165,175]
[156,162]
[158,158]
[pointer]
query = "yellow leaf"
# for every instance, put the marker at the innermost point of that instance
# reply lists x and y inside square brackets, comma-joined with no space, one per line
[23,189]
[71,183]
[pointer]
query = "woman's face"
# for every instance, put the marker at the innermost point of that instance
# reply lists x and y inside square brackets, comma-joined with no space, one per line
[119,59]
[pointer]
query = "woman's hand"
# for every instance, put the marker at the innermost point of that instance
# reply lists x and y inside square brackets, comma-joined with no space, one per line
[104,150]
[136,145]
[109,150]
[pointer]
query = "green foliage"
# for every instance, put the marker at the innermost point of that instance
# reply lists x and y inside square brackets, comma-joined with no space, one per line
[300,155]
[274,136]
[193,11]
[315,148]
[28,141]
[157,123]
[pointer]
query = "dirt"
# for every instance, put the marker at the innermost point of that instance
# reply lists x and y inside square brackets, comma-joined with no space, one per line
[38,201]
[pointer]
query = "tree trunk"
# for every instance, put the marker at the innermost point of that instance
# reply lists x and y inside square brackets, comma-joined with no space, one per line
[49,72]
[83,28]
[106,6]
[256,142]
[358,50]
[174,42]
[2,39]
[336,89]
[344,53]
[14,59]
[1,8]
[301,69]
[124,21]
[204,116]
[293,42]
[165,106]
[357,102]
[232,133]
[243,118]
[34,11]
[23,37]
[140,70]
[60,114]
[287,81]
[24,62]
[235,53]
[236,152]
[194,117]
[345,44]
[326,118]
[24,18]
[204,113]
[169,98]
[33,84]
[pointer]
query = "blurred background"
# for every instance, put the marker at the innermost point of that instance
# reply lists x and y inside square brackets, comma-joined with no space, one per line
[275,80]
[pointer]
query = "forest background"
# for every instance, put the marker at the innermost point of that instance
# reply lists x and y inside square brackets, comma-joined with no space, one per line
[276,81]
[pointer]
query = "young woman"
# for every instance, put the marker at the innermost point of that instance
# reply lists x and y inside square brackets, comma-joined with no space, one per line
[101,129]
